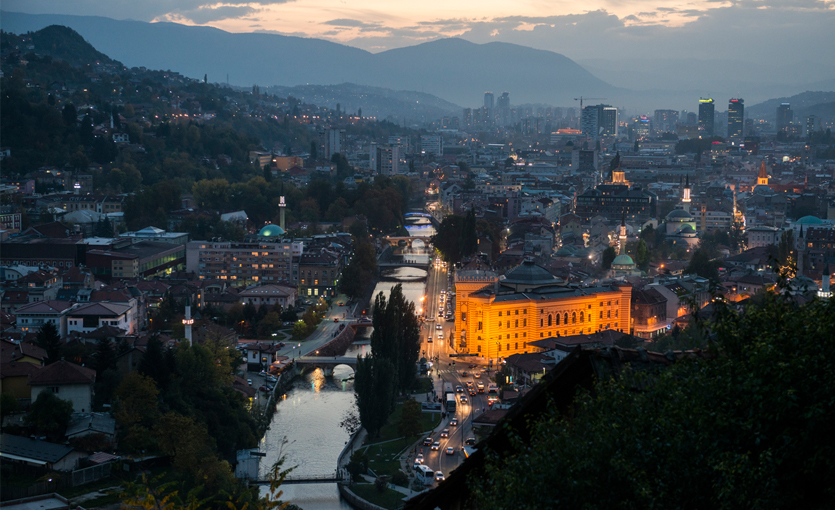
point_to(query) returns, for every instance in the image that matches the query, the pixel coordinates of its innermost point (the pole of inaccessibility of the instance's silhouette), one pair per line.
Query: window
(549, 320)
(558, 319)
(541, 322)
(500, 324)
(507, 347)
(565, 319)
(517, 312)
(479, 348)
(525, 311)
(479, 325)
(463, 316)
(524, 323)
(517, 323)
(508, 324)
(581, 317)
(574, 318)
(516, 335)
(499, 347)
(601, 314)
(608, 313)
(500, 314)
(516, 346)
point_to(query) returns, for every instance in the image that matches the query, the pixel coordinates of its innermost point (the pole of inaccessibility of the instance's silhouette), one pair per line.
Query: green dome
(271, 231)
(809, 220)
(623, 260)
(679, 215)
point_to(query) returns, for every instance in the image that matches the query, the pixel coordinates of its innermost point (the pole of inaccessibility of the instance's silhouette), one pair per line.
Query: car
(464, 399)
(449, 450)
(438, 327)
(335, 319)
(443, 291)
(453, 422)
(472, 392)
(439, 476)
(429, 340)
(465, 374)
(427, 441)
(271, 378)
(469, 384)
(340, 304)
(471, 365)
(249, 382)
(445, 433)
(470, 441)
(459, 389)
(419, 458)
(436, 446)
(264, 388)
(477, 375)
(440, 314)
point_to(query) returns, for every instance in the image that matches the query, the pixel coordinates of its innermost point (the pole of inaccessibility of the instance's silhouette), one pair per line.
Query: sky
(588, 29)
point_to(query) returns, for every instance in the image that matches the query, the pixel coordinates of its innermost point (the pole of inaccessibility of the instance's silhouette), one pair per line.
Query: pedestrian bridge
(326, 363)
(338, 476)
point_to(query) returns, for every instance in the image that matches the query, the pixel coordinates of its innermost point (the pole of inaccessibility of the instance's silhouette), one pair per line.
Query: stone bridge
(326, 364)
(395, 240)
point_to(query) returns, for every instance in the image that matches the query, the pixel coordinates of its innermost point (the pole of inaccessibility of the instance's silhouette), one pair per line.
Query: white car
(419, 458)
(439, 476)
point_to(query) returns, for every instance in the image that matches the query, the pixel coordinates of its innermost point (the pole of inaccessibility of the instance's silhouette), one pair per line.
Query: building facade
(268, 261)
(499, 316)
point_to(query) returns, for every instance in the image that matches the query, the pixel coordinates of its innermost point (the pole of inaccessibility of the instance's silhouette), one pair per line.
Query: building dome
(271, 231)
(529, 273)
(623, 260)
(687, 229)
(809, 220)
(679, 215)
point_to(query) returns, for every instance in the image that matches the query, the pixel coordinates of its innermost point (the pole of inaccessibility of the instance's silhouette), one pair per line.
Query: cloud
(207, 14)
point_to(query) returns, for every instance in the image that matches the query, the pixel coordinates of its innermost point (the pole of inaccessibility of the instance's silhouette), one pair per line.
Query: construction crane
(588, 98)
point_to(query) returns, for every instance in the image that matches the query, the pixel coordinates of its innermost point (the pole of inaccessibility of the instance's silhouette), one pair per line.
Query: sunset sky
(748, 29)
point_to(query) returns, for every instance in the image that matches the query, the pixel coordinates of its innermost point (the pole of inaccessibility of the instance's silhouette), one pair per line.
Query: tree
(69, 114)
(703, 265)
(642, 255)
(374, 383)
(49, 415)
(447, 238)
(9, 405)
(396, 335)
(609, 255)
(49, 340)
(410, 420)
(469, 238)
(314, 150)
(136, 411)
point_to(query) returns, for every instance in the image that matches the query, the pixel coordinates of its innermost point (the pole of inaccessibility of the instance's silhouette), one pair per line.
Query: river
(309, 414)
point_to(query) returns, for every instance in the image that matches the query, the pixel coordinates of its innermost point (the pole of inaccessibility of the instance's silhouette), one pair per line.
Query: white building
(384, 159)
(67, 381)
(91, 316)
(432, 144)
(756, 237)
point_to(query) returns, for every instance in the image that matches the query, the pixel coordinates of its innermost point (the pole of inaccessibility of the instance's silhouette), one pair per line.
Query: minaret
(801, 248)
(824, 293)
(188, 321)
(281, 207)
(622, 235)
(685, 199)
(762, 178)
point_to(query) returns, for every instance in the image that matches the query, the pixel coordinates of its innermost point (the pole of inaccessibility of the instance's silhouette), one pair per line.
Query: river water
(308, 415)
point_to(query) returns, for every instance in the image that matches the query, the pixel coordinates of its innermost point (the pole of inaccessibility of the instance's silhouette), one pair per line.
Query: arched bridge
(327, 364)
(409, 240)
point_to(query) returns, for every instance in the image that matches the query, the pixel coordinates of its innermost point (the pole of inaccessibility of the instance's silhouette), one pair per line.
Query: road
(451, 370)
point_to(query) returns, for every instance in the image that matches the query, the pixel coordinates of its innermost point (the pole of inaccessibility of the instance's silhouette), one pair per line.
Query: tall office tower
(812, 123)
(642, 127)
(736, 120)
(589, 122)
(608, 122)
(785, 116)
(706, 116)
(337, 142)
(503, 109)
(384, 159)
(431, 144)
(665, 121)
(692, 119)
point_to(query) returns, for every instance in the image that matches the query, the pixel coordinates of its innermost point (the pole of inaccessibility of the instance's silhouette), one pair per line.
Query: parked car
(249, 382)
(264, 388)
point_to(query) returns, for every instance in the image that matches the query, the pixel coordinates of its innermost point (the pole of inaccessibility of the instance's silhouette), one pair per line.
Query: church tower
(762, 178)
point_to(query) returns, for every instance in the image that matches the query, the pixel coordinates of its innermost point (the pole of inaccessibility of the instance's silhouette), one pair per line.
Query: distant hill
(453, 69)
(807, 103)
(374, 101)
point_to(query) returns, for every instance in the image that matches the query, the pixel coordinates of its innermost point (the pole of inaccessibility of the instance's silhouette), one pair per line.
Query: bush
(400, 478)
(381, 483)
(417, 485)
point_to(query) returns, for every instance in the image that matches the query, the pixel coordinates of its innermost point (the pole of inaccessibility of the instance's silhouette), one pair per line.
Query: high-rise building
(665, 121)
(812, 122)
(599, 121)
(404, 142)
(785, 116)
(331, 141)
(467, 118)
(706, 117)
(642, 127)
(384, 159)
(488, 100)
(431, 144)
(736, 120)
(503, 109)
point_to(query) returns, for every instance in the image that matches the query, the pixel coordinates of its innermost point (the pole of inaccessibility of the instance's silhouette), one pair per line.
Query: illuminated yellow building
(499, 316)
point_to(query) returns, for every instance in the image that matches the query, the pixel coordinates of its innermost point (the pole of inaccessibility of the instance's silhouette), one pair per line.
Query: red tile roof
(63, 372)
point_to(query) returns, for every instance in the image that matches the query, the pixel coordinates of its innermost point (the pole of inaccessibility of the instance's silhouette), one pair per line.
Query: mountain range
(419, 83)
(455, 70)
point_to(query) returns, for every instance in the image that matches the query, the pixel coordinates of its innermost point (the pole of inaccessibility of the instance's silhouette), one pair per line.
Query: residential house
(67, 381)
(34, 452)
(31, 317)
(270, 295)
(14, 377)
(91, 316)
